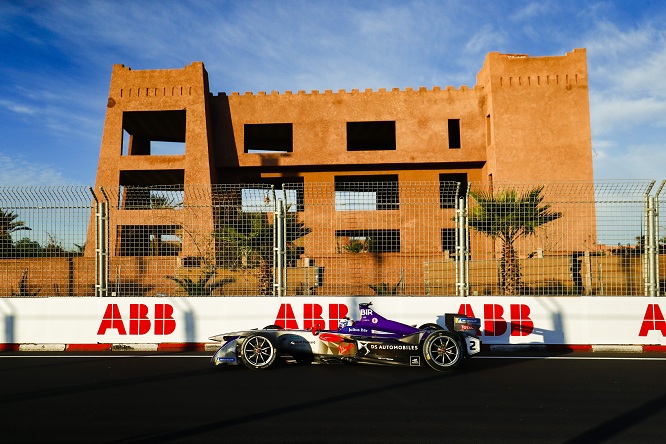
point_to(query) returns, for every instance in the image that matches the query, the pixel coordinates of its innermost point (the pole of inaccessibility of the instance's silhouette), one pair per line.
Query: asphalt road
(180, 398)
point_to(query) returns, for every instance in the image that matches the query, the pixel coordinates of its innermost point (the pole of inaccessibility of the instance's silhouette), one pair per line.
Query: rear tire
(258, 352)
(442, 351)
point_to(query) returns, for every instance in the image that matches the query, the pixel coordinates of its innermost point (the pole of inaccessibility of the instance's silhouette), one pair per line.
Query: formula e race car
(372, 339)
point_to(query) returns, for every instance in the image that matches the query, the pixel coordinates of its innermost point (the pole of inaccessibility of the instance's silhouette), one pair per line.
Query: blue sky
(56, 59)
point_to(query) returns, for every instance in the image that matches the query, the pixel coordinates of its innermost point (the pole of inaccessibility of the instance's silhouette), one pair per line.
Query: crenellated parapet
(367, 91)
(190, 81)
(521, 70)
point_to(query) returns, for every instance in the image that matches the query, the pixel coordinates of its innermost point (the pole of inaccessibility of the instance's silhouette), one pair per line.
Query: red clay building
(526, 119)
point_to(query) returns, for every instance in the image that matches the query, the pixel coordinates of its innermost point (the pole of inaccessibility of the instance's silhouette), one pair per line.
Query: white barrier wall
(505, 320)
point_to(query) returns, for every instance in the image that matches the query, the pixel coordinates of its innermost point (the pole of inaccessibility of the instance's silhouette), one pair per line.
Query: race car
(372, 339)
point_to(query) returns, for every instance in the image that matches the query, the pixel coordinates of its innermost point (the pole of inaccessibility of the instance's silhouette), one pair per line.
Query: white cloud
(613, 114)
(532, 10)
(17, 107)
(17, 171)
(640, 161)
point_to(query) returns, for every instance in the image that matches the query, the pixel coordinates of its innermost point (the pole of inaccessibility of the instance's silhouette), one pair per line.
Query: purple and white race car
(373, 339)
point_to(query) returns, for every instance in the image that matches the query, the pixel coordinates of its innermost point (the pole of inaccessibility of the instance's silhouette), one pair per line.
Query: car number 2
(473, 345)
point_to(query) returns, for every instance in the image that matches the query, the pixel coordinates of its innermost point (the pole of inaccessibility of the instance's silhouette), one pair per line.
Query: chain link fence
(341, 238)
(43, 242)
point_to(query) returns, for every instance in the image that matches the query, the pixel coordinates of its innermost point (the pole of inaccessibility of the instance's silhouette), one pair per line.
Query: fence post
(279, 248)
(101, 247)
(462, 287)
(648, 244)
(650, 248)
(654, 262)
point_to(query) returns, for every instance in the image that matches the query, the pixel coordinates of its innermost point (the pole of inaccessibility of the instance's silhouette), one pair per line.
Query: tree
(249, 241)
(26, 247)
(8, 225)
(201, 287)
(507, 216)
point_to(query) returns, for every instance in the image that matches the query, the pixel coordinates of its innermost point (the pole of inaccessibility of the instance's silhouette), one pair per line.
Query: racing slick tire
(258, 352)
(431, 326)
(442, 351)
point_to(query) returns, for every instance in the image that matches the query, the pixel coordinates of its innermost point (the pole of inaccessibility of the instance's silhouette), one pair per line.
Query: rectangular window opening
(258, 200)
(141, 198)
(371, 136)
(157, 133)
(368, 241)
(149, 240)
(268, 138)
(366, 193)
(452, 186)
(454, 133)
(449, 241)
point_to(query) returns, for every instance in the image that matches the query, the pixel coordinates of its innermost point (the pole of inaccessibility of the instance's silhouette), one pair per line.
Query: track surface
(180, 398)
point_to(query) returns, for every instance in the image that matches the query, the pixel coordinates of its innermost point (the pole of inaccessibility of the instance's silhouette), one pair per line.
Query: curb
(173, 347)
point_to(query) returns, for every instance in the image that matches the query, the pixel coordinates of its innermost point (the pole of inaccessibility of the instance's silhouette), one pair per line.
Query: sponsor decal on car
(393, 347)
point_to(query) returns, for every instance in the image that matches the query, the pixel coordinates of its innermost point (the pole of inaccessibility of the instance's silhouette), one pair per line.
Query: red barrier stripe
(88, 347)
(181, 346)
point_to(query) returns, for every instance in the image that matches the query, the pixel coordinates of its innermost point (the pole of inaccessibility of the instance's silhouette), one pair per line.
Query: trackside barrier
(505, 320)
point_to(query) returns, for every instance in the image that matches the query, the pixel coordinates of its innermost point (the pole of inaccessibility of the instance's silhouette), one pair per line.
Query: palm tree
(507, 216)
(8, 225)
(201, 287)
(250, 241)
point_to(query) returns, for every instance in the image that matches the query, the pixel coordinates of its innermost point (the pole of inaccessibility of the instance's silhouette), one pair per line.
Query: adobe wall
(539, 117)
(319, 127)
(157, 90)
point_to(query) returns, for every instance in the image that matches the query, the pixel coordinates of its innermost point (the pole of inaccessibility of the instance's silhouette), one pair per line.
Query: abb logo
(312, 316)
(653, 320)
(139, 323)
(494, 319)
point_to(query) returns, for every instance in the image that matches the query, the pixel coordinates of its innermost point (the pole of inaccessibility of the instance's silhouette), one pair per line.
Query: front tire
(258, 352)
(442, 351)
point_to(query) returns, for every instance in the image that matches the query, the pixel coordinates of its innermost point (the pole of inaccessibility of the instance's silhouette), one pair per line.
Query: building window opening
(366, 193)
(259, 200)
(150, 197)
(449, 241)
(454, 133)
(155, 133)
(149, 240)
(371, 136)
(452, 186)
(368, 241)
(268, 138)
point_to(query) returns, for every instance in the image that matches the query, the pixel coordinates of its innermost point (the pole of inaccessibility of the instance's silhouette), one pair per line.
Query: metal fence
(338, 238)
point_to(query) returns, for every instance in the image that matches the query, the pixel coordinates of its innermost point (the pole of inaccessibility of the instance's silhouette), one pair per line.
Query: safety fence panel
(43, 239)
(378, 238)
(557, 238)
